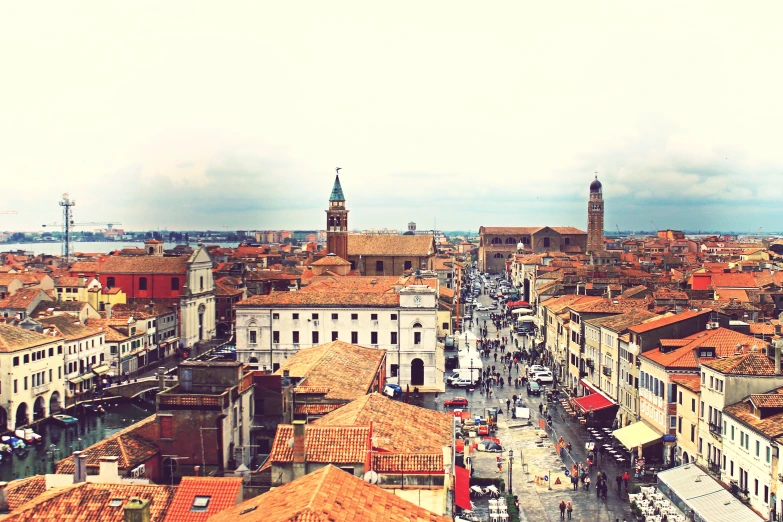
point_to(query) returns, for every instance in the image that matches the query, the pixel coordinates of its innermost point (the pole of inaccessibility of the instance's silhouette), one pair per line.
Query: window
(201, 282)
(768, 454)
(175, 283)
(701, 444)
(701, 411)
(679, 398)
(546, 242)
(567, 240)
(60, 348)
(393, 317)
(407, 265)
(16, 361)
(315, 337)
(51, 350)
(766, 494)
(354, 317)
(394, 369)
(110, 282)
(758, 448)
(26, 358)
(416, 337)
(334, 336)
(315, 317)
(275, 316)
(379, 266)
(25, 383)
(295, 317)
(16, 387)
(373, 337)
(679, 424)
(253, 334)
(354, 337)
(732, 433)
(276, 337)
(394, 338)
(142, 283)
(295, 337)
(693, 433)
(334, 317)
(373, 317)
(693, 405)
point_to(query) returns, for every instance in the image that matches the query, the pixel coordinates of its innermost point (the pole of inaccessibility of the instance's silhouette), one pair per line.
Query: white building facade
(197, 303)
(271, 328)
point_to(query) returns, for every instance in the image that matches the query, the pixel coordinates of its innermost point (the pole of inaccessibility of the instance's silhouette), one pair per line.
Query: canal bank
(60, 441)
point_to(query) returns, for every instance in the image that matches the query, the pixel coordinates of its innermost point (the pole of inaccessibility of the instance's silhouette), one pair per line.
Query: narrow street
(534, 456)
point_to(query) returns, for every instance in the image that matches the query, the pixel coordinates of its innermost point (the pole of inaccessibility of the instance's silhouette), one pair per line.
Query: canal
(60, 441)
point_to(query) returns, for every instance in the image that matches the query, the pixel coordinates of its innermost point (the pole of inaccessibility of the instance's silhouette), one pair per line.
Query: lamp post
(510, 472)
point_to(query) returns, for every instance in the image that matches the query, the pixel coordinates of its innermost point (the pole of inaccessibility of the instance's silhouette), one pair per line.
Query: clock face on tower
(417, 299)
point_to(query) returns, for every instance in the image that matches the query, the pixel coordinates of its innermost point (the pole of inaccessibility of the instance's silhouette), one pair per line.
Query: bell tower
(337, 222)
(595, 217)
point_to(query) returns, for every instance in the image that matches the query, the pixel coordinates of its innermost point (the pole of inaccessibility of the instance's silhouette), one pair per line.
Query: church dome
(595, 186)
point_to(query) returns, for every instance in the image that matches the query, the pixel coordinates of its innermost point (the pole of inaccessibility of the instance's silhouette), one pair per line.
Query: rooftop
(326, 495)
(725, 342)
(323, 444)
(390, 245)
(221, 493)
(68, 326)
(13, 338)
(646, 327)
(143, 265)
(753, 363)
(619, 323)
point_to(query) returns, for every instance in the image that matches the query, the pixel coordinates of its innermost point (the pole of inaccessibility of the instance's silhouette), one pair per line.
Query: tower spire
(337, 189)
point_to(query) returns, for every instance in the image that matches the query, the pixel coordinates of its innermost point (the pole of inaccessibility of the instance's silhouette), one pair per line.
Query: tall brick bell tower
(337, 222)
(595, 218)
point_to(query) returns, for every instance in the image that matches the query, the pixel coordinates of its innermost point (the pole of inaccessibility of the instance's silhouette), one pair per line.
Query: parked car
(482, 308)
(542, 377)
(538, 368)
(463, 383)
(533, 388)
(456, 401)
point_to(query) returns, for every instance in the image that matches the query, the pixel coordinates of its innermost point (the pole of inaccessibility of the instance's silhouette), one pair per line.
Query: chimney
(136, 510)
(82, 280)
(161, 378)
(3, 498)
(79, 467)
(300, 466)
(109, 469)
(197, 470)
(778, 343)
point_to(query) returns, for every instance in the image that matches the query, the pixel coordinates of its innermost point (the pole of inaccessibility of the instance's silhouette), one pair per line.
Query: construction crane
(757, 231)
(68, 223)
(619, 234)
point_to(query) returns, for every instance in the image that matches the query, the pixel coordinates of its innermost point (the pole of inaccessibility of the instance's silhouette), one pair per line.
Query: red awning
(517, 304)
(596, 401)
(590, 386)
(462, 487)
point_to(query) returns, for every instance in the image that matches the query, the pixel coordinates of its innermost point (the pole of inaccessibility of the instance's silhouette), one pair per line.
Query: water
(54, 248)
(91, 428)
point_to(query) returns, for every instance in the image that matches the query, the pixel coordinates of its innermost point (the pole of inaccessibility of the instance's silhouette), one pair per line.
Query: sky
(184, 115)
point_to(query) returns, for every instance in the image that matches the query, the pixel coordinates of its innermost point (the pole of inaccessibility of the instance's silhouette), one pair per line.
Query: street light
(510, 472)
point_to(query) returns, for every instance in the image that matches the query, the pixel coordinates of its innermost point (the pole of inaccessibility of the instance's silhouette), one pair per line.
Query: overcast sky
(175, 115)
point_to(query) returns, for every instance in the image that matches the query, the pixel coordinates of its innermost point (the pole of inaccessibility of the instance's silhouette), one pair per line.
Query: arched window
(546, 242)
(511, 241)
(497, 241)
(417, 335)
(498, 256)
(525, 240)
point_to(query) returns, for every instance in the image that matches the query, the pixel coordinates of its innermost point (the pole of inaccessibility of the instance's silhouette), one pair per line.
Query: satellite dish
(291, 443)
(371, 477)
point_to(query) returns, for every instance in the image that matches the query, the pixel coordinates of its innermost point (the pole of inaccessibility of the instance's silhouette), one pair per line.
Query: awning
(637, 434)
(522, 311)
(516, 304)
(77, 380)
(462, 487)
(100, 370)
(594, 402)
(590, 386)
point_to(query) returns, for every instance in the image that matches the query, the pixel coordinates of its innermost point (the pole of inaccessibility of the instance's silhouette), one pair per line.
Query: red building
(144, 277)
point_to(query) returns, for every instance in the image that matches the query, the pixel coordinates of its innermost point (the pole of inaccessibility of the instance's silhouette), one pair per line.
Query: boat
(28, 435)
(14, 442)
(5, 448)
(93, 408)
(65, 420)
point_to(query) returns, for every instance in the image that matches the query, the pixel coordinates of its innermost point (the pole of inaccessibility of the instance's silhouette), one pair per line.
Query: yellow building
(88, 290)
(688, 393)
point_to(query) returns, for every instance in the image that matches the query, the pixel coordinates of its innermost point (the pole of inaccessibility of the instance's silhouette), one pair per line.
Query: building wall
(392, 265)
(609, 362)
(159, 286)
(628, 393)
(687, 425)
(652, 405)
(755, 459)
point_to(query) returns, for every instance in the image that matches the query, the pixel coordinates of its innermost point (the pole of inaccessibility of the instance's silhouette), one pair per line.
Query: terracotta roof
(13, 338)
(348, 371)
(66, 325)
(621, 322)
(505, 231)
(222, 289)
(692, 382)
(397, 427)
(767, 400)
(24, 490)
(90, 502)
(733, 293)
(390, 245)
(762, 329)
(724, 341)
(223, 493)
(112, 335)
(745, 364)
(328, 494)
(334, 292)
(144, 265)
(407, 462)
(560, 303)
(666, 321)
(86, 267)
(64, 281)
(132, 449)
(323, 444)
(771, 426)
(734, 280)
(314, 409)
(21, 299)
(616, 306)
(331, 260)
(668, 294)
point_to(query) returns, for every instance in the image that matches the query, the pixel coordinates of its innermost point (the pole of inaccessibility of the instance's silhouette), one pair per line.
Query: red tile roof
(692, 382)
(22, 491)
(390, 245)
(13, 338)
(328, 495)
(734, 280)
(21, 299)
(724, 341)
(666, 321)
(223, 493)
(753, 363)
(144, 265)
(89, 502)
(323, 444)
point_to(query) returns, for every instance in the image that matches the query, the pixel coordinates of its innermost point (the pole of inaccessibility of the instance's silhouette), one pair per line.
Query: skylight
(200, 503)
(115, 502)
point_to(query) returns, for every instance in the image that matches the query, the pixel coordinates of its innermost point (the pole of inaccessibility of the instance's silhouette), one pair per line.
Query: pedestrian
(508, 404)
(500, 464)
(569, 509)
(587, 482)
(575, 481)
(626, 480)
(562, 509)
(619, 481)
(568, 447)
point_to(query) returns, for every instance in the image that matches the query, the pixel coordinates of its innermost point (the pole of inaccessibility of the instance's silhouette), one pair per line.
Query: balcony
(716, 429)
(43, 388)
(714, 468)
(607, 371)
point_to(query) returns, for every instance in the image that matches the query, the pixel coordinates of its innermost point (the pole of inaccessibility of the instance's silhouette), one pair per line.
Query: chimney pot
(299, 449)
(109, 468)
(79, 467)
(136, 510)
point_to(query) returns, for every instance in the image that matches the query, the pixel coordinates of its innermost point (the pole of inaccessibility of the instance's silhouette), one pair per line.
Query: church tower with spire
(595, 218)
(337, 222)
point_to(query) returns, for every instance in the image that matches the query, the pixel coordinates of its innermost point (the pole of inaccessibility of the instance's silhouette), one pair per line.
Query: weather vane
(337, 170)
